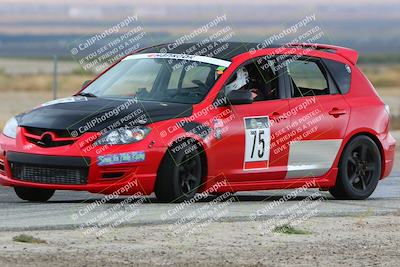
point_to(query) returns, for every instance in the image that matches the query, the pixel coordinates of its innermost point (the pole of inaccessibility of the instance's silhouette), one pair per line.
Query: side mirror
(238, 97)
(85, 83)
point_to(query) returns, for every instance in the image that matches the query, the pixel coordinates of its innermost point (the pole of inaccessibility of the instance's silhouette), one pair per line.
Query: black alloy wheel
(359, 170)
(179, 175)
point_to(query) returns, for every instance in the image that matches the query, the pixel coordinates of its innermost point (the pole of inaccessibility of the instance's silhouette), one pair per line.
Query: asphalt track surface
(70, 209)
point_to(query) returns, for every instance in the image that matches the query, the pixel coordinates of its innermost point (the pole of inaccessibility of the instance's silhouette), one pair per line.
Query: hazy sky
(366, 24)
(253, 2)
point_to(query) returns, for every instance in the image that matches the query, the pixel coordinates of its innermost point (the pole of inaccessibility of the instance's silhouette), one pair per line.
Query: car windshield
(159, 77)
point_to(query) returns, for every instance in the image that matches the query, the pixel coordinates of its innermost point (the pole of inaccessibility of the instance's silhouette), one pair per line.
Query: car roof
(229, 50)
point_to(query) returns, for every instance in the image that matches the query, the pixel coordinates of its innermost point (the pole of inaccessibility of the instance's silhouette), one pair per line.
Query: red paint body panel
(364, 113)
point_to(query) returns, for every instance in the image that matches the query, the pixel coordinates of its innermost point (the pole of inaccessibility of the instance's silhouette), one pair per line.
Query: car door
(254, 147)
(319, 118)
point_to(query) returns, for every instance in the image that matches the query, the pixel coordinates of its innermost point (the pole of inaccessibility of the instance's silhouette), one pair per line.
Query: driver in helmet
(241, 81)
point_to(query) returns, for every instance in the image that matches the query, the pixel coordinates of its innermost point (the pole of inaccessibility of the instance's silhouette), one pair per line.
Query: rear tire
(33, 194)
(359, 170)
(179, 176)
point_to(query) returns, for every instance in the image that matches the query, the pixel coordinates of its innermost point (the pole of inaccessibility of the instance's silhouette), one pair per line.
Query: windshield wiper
(87, 94)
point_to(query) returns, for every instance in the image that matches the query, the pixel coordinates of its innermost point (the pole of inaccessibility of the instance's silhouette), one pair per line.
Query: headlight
(10, 129)
(123, 136)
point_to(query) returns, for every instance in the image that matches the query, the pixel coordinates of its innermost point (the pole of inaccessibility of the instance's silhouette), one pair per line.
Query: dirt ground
(343, 241)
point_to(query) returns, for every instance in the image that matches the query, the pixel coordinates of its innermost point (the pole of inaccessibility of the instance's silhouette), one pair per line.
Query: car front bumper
(75, 167)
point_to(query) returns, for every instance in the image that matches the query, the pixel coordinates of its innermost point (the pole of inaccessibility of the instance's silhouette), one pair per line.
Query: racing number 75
(260, 144)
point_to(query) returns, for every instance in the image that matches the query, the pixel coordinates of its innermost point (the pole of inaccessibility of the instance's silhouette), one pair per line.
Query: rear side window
(307, 78)
(341, 73)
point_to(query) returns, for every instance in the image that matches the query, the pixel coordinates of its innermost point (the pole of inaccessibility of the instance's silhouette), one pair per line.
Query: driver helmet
(242, 78)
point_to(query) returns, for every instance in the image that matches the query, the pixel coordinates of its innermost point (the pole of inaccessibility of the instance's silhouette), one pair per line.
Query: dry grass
(24, 238)
(290, 230)
(22, 92)
(382, 75)
(41, 82)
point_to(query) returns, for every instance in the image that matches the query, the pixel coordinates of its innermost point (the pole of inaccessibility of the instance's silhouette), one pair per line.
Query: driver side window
(257, 76)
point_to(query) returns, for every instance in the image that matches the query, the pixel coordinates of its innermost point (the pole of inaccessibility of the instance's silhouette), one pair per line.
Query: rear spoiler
(347, 53)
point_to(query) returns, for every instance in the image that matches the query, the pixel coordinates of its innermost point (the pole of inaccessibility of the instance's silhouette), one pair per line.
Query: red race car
(177, 120)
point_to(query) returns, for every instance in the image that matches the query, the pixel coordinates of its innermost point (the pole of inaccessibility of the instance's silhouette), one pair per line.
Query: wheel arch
(374, 138)
(202, 154)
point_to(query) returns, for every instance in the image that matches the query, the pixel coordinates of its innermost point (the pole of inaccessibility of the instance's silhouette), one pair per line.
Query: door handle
(335, 112)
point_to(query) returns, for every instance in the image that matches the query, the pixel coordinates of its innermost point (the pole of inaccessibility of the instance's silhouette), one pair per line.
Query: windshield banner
(209, 60)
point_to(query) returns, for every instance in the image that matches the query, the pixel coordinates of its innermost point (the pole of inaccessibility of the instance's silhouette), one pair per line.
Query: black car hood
(89, 114)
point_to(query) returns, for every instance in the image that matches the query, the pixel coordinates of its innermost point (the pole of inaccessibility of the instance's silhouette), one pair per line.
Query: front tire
(33, 194)
(359, 170)
(179, 175)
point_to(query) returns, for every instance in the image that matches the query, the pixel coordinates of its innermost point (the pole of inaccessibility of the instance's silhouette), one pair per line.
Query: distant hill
(43, 27)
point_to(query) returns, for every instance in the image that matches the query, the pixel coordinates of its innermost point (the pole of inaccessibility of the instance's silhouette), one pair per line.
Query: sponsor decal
(129, 157)
(218, 127)
(203, 59)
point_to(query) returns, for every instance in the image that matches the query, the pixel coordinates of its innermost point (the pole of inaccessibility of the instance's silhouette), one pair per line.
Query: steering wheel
(202, 86)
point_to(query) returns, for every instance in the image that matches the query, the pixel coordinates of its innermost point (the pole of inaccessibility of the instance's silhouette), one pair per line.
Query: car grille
(49, 175)
(40, 131)
(49, 144)
(49, 138)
